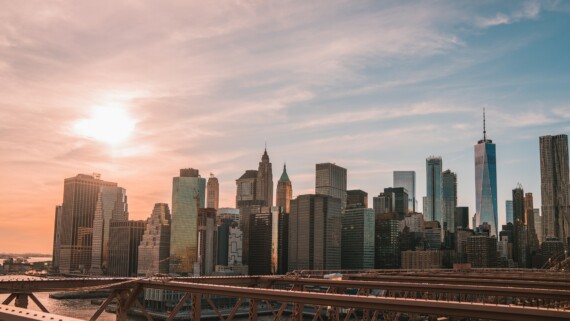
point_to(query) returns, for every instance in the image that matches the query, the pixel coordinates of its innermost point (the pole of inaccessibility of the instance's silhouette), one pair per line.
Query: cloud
(529, 10)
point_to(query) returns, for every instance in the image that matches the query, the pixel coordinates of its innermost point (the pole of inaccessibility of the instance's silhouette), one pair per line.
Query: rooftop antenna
(484, 126)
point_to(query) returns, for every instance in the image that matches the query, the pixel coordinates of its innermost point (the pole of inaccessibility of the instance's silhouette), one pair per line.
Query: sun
(108, 124)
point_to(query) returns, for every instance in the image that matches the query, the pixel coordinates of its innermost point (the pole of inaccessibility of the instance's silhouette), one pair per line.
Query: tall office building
(188, 195)
(213, 188)
(387, 240)
(264, 187)
(223, 241)
(538, 225)
(207, 237)
(461, 217)
(518, 205)
(486, 182)
(264, 242)
(246, 188)
(520, 241)
(554, 186)
(331, 180)
(358, 230)
(509, 211)
(400, 202)
(154, 249)
(407, 180)
(56, 238)
(111, 205)
(124, 240)
(284, 191)
(482, 251)
(80, 194)
(434, 204)
(315, 233)
(449, 197)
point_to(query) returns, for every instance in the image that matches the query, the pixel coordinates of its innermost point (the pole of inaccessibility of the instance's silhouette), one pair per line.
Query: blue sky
(374, 86)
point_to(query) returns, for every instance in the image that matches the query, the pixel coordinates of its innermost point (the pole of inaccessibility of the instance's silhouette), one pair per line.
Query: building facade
(124, 240)
(449, 200)
(284, 191)
(213, 189)
(358, 229)
(407, 180)
(433, 205)
(461, 217)
(315, 233)
(80, 194)
(154, 248)
(509, 211)
(111, 205)
(331, 180)
(264, 182)
(554, 186)
(486, 183)
(188, 195)
(431, 259)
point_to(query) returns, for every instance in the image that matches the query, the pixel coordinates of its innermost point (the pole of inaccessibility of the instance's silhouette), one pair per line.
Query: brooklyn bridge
(488, 294)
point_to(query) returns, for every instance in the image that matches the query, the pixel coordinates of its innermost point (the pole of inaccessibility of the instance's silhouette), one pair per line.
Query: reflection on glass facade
(407, 180)
(486, 184)
(509, 210)
(264, 240)
(433, 206)
(331, 180)
(358, 228)
(188, 194)
(449, 197)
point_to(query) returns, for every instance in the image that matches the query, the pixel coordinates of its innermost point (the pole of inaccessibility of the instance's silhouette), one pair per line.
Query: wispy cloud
(529, 10)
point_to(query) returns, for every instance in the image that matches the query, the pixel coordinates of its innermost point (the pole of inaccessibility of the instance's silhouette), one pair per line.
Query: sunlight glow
(108, 124)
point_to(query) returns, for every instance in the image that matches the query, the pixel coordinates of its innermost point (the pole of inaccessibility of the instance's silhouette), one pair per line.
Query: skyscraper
(207, 233)
(56, 239)
(124, 240)
(111, 205)
(154, 248)
(433, 188)
(509, 210)
(188, 194)
(400, 202)
(461, 217)
(213, 188)
(315, 233)
(407, 180)
(358, 230)
(518, 205)
(246, 188)
(284, 191)
(554, 185)
(331, 180)
(449, 196)
(80, 194)
(486, 182)
(264, 188)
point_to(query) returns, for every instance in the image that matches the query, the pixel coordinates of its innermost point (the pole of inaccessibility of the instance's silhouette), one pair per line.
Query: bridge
(495, 294)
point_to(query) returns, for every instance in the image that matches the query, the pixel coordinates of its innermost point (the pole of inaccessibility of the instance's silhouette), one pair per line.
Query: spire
(284, 176)
(484, 126)
(265, 155)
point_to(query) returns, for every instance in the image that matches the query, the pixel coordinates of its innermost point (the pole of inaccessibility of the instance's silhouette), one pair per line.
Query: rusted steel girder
(476, 310)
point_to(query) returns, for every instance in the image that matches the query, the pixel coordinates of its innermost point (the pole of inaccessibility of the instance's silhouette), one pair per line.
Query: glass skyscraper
(188, 194)
(486, 183)
(449, 192)
(433, 204)
(407, 180)
(331, 180)
(509, 210)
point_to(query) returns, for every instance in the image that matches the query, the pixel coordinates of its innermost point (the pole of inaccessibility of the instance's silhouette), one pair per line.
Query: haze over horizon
(135, 91)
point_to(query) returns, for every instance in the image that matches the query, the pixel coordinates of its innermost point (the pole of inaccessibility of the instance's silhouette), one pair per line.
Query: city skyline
(374, 88)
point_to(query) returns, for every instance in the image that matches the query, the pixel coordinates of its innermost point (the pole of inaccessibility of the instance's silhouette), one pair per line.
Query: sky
(136, 90)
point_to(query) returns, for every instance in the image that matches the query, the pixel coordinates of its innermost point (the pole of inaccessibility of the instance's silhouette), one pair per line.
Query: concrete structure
(213, 190)
(124, 240)
(486, 183)
(449, 200)
(154, 248)
(433, 205)
(554, 186)
(264, 187)
(358, 230)
(414, 222)
(315, 231)
(431, 259)
(330, 180)
(80, 194)
(407, 180)
(227, 213)
(111, 205)
(188, 194)
(284, 191)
